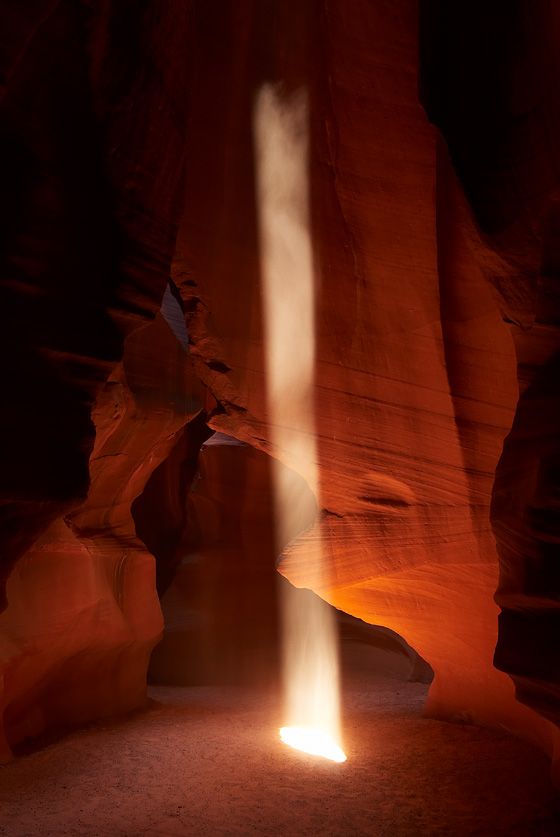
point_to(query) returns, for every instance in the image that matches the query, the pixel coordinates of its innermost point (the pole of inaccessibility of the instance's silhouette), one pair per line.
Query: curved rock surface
(416, 374)
(498, 107)
(83, 614)
(221, 608)
(434, 171)
(92, 120)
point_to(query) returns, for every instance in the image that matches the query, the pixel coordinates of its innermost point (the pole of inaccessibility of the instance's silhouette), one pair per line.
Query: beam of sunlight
(310, 651)
(312, 741)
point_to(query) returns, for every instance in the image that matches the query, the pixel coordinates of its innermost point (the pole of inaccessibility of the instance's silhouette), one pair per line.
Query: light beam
(312, 741)
(310, 653)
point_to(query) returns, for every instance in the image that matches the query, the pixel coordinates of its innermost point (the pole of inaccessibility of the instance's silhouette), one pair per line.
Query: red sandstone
(434, 160)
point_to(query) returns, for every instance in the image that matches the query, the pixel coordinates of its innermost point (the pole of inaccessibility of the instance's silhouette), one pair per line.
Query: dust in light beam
(310, 653)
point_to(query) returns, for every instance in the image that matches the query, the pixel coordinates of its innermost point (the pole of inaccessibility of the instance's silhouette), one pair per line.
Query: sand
(208, 761)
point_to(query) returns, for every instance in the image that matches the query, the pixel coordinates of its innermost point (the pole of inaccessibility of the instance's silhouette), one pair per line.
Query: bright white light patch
(310, 660)
(313, 741)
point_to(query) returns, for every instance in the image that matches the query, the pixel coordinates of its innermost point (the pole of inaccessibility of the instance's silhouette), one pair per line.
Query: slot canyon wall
(93, 124)
(434, 158)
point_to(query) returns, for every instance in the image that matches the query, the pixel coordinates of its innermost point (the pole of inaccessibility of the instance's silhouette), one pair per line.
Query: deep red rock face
(435, 253)
(92, 191)
(92, 122)
(416, 374)
(498, 107)
(83, 613)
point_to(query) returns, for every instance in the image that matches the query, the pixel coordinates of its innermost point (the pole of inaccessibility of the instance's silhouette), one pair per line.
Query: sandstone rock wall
(416, 378)
(92, 126)
(433, 180)
(492, 76)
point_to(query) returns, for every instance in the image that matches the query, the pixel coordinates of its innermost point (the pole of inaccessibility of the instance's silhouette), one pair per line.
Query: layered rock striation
(420, 312)
(433, 212)
(92, 125)
(498, 108)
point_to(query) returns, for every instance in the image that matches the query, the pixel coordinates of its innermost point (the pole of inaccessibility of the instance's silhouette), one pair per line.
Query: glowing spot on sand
(310, 652)
(313, 741)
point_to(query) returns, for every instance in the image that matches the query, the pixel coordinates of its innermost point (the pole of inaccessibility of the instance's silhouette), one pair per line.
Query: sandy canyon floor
(208, 761)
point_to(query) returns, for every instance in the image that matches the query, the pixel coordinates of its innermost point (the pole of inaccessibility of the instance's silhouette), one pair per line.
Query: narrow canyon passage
(279, 283)
(208, 761)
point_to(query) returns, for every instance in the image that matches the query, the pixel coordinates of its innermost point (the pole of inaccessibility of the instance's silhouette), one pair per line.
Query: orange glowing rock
(415, 374)
(436, 329)
(83, 613)
(94, 204)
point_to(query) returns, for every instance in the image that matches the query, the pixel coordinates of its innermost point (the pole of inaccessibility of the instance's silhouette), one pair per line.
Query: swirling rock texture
(92, 155)
(83, 614)
(434, 164)
(221, 602)
(499, 109)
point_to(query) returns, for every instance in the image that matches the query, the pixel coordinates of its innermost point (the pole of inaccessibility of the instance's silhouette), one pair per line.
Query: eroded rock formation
(83, 614)
(416, 382)
(92, 154)
(221, 603)
(433, 176)
(499, 108)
